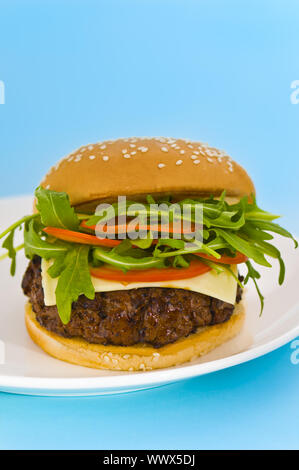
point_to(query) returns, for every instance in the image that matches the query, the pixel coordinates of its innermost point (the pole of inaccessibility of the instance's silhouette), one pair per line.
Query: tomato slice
(238, 259)
(151, 275)
(78, 237)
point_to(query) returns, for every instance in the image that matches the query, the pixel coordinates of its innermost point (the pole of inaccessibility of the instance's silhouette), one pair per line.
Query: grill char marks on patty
(153, 315)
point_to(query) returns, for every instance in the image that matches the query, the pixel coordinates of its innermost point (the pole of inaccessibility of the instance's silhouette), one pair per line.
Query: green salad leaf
(11, 251)
(35, 245)
(125, 262)
(254, 275)
(73, 281)
(55, 209)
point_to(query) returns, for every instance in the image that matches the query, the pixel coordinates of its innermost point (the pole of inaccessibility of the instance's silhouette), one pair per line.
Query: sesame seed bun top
(142, 165)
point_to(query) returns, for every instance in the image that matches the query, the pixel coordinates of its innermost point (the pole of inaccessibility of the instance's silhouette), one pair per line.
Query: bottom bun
(134, 358)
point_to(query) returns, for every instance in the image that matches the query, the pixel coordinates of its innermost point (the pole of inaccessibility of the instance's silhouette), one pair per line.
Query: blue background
(82, 71)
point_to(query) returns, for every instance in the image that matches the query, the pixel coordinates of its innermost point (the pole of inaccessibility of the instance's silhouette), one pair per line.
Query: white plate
(28, 370)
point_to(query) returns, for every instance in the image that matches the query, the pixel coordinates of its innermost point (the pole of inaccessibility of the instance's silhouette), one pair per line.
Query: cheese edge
(222, 286)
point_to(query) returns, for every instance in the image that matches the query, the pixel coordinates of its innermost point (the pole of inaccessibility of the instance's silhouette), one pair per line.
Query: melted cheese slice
(222, 286)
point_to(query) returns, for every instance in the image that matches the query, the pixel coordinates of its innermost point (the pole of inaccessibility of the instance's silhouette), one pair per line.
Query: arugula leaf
(254, 233)
(58, 266)
(123, 247)
(126, 262)
(35, 245)
(8, 244)
(253, 274)
(170, 243)
(19, 223)
(225, 221)
(180, 262)
(73, 281)
(272, 251)
(144, 243)
(272, 227)
(150, 199)
(55, 209)
(243, 246)
(183, 248)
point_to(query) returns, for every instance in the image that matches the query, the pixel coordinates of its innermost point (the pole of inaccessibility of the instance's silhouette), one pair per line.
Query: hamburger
(113, 284)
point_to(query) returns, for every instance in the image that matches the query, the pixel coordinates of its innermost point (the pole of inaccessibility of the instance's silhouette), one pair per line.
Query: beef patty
(152, 315)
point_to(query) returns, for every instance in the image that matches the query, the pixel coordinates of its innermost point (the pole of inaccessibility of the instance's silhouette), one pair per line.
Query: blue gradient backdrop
(81, 71)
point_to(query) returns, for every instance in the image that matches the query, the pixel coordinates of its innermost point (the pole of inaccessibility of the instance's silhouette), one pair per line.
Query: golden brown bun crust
(135, 166)
(97, 356)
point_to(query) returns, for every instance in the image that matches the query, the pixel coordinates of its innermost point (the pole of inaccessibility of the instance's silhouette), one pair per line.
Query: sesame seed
(48, 186)
(164, 149)
(127, 155)
(156, 354)
(78, 158)
(194, 157)
(103, 147)
(182, 151)
(83, 149)
(126, 356)
(70, 159)
(190, 146)
(92, 157)
(132, 145)
(196, 162)
(161, 165)
(105, 158)
(179, 162)
(210, 159)
(124, 151)
(106, 359)
(90, 147)
(196, 152)
(133, 153)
